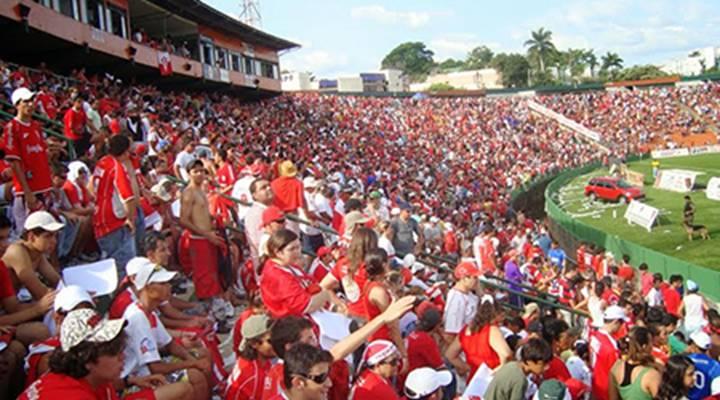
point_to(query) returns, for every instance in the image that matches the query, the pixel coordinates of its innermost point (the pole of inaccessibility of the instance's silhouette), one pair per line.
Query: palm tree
(540, 42)
(591, 60)
(611, 61)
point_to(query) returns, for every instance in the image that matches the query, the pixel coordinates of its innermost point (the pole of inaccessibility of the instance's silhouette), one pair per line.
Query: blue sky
(347, 37)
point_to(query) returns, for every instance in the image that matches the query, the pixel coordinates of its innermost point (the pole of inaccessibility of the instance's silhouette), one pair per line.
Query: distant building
(299, 82)
(387, 80)
(694, 63)
(478, 79)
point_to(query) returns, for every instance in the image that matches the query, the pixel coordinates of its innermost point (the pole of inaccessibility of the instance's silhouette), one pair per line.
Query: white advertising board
(713, 189)
(641, 214)
(676, 180)
(667, 153)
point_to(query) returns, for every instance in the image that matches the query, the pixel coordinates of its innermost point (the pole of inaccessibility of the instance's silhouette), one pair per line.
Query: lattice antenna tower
(251, 13)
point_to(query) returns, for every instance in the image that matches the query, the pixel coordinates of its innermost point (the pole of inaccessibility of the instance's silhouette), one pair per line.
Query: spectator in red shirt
(286, 289)
(604, 351)
(377, 298)
(481, 341)
(114, 227)
(288, 192)
(27, 151)
(74, 123)
(247, 380)
(379, 365)
(306, 374)
(646, 279)
(625, 271)
(88, 362)
(671, 295)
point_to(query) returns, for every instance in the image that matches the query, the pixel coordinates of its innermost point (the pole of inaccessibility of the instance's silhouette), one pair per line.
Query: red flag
(164, 63)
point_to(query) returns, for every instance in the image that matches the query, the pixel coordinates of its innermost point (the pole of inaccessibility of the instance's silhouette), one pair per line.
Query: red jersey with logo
(35, 353)
(113, 191)
(48, 103)
(371, 386)
(52, 386)
(603, 354)
(286, 290)
(25, 142)
(247, 380)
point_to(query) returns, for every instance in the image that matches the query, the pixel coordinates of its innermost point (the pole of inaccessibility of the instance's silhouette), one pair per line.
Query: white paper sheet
(99, 278)
(479, 383)
(175, 206)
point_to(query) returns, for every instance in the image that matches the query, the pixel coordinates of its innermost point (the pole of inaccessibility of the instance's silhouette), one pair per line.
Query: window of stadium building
(235, 62)
(95, 11)
(68, 8)
(249, 66)
(117, 21)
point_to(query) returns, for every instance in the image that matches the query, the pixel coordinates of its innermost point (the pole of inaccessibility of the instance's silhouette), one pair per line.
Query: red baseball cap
(271, 214)
(465, 269)
(323, 251)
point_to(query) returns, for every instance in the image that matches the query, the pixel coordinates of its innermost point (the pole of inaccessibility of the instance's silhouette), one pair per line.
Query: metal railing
(542, 298)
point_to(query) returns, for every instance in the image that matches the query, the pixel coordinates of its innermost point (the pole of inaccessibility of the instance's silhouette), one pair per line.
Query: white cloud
(377, 13)
(457, 45)
(313, 60)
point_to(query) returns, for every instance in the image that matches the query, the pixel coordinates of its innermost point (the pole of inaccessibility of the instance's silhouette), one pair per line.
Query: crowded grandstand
(169, 243)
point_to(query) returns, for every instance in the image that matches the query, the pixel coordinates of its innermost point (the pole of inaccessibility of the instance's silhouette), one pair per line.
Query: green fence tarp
(574, 230)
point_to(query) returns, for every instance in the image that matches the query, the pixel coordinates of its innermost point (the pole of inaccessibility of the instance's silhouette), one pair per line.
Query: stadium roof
(197, 11)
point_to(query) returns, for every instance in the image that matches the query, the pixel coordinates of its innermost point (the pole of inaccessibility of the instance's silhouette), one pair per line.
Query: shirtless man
(28, 257)
(199, 242)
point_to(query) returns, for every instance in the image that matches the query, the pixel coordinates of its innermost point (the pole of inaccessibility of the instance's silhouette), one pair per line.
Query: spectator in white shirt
(654, 297)
(183, 159)
(262, 196)
(461, 301)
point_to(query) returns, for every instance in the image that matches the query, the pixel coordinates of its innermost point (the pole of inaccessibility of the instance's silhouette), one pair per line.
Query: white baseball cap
(21, 94)
(135, 263)
(152, 273)
(43, 220)
(311, 182)
(409, 260)
(701, 340)
(615, 312)
(715, 386)
(69, 297)
(425, 381)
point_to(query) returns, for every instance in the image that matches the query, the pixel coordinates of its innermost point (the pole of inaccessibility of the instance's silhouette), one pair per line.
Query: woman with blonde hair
(349, 271)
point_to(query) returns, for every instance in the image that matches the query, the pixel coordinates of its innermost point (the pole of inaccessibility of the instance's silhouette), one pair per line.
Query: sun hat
(87, 325)
(287, 168)
(253, 328)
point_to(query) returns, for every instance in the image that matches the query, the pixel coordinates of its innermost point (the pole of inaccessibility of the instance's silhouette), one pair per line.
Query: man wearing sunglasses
(306, 375)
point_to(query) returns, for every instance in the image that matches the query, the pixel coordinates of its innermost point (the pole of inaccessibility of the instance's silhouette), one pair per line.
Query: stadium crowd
(324, 274)
(640, 118)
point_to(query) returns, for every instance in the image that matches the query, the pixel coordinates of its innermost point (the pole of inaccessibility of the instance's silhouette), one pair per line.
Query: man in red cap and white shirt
(604, 350)
(26, 150)
(461, 301)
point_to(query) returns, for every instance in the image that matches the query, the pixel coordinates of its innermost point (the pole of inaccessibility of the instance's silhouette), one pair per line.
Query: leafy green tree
(611, 62)
(451, 64)
(514, 69)
(640, 72)
(591, 61)
(478, 58)
(413, 58)
(541, 44)
(576, 63)
(441, 87)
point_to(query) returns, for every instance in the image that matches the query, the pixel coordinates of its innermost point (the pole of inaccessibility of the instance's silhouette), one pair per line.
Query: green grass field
(667, 236)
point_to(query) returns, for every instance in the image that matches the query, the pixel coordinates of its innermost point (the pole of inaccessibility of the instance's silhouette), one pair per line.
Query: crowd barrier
(570, 232)
(432, 260)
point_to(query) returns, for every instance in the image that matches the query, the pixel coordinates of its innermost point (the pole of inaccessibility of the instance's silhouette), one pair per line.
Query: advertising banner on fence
(641, 214)
(713, 189)
(669, 153)
(676, 180)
